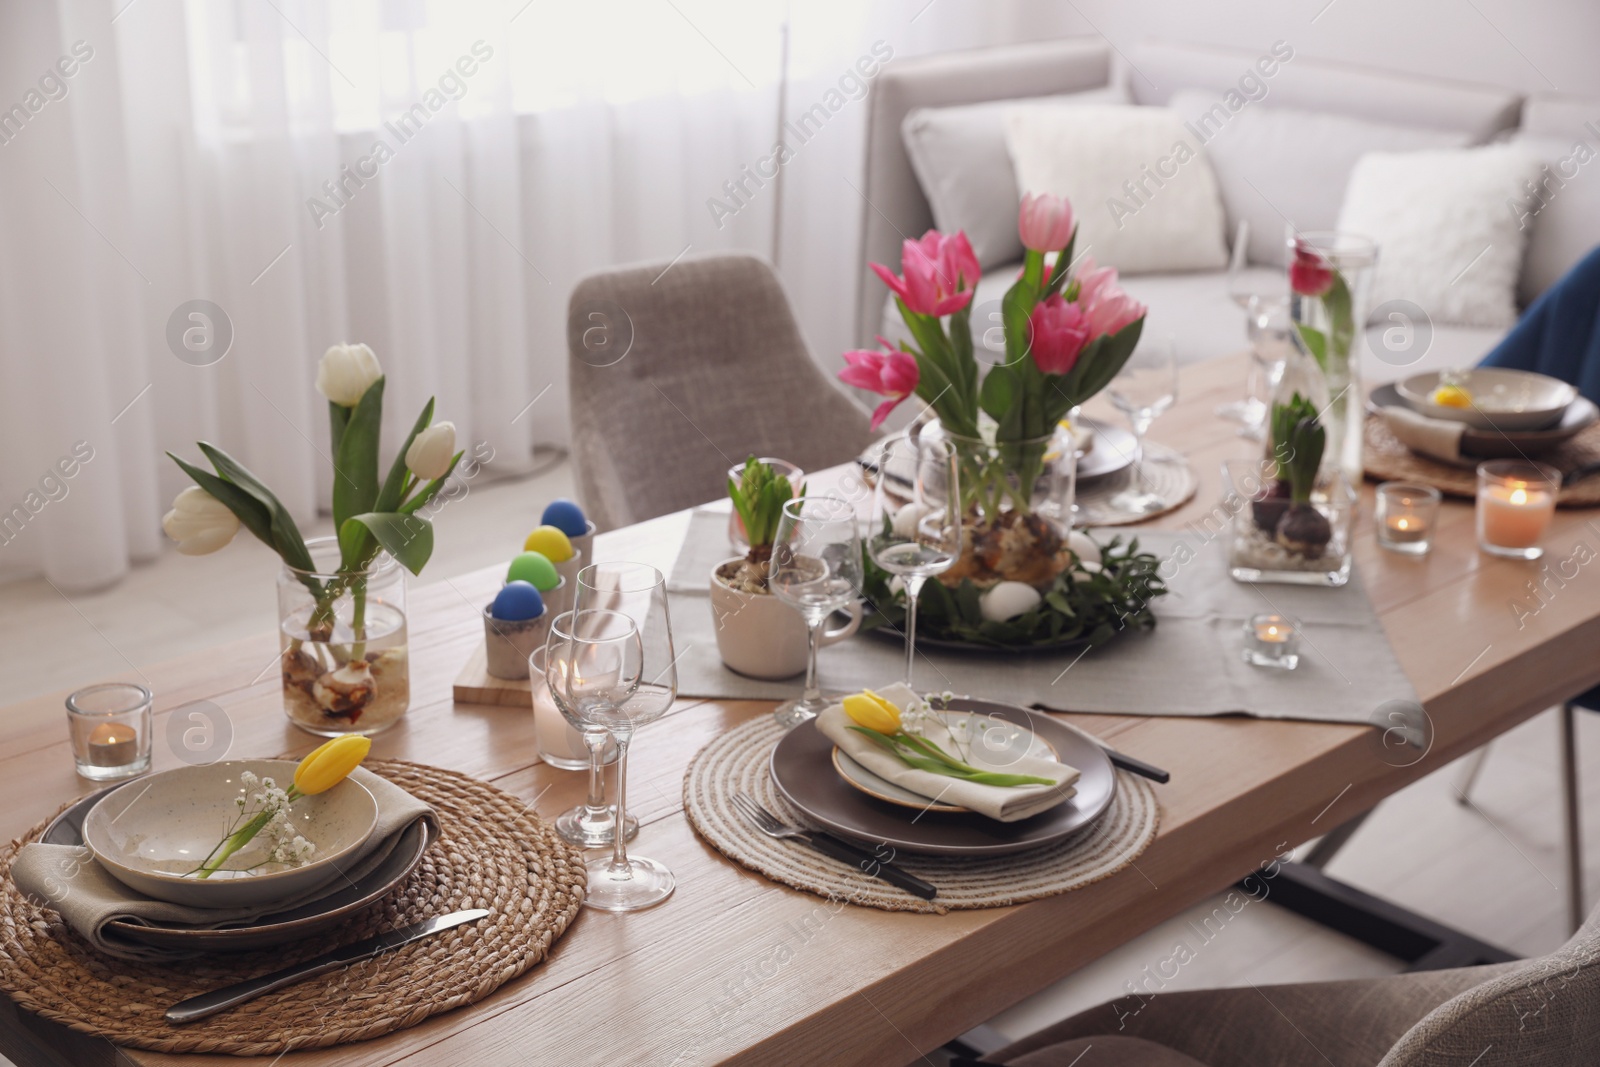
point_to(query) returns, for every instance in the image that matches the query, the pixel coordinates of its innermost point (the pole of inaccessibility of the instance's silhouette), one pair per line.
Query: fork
(828, 845)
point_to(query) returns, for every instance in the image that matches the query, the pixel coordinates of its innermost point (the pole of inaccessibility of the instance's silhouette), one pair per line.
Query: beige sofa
(1195, 308)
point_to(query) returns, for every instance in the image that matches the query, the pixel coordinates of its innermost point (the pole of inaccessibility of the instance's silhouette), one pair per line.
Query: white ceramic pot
(760, 636)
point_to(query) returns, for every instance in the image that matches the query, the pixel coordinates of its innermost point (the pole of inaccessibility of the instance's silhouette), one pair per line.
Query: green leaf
(1316, 343)
(1058, 277)
(1016, 307)
(408, 538)
(355, 468)
(395, 484)
(999, 392)
(251, 512)
(285, 538)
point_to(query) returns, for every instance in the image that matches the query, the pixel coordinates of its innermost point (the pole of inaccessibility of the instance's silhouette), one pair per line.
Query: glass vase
(342, 637)
(1330, 274)
(1273, 539)
(1016, 501)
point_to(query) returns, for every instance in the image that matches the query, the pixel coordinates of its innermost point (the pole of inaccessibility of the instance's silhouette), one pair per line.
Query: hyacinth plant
(1067, 334)
(758, 496)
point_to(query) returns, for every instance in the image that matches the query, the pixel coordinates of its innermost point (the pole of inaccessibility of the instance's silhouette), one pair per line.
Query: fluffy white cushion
(1446, 241)
(1563, 222)
(1278, 165)
(1144, 194)
(959, 156)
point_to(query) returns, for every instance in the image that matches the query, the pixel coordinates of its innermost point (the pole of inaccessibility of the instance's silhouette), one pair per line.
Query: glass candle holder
(560, 744)
(110, 728)
(1272, 641)
(1516, 501)
(1406, 516)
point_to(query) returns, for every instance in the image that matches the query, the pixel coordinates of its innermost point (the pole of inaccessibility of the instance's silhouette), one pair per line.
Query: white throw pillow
(1143, 191)
(1277, 165)
(1446, 241)
(1562, 221)
(960, 159)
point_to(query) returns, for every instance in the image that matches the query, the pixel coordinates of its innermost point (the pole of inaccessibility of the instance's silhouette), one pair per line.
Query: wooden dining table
(736, 969)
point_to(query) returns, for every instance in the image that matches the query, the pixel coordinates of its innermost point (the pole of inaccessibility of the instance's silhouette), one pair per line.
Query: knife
(867, 863)
(1120, 759)
(205, 1004)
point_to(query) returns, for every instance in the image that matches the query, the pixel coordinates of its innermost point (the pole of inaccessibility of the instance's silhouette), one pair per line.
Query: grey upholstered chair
(1533, 1013)
(680, 372)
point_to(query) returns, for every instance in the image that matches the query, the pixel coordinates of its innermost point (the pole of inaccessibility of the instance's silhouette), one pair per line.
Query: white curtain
(427, 176)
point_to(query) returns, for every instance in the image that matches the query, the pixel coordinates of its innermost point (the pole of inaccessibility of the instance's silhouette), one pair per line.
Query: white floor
(1493, 869)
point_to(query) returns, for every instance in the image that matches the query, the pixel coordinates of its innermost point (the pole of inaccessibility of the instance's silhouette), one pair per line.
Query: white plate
(1501, 399)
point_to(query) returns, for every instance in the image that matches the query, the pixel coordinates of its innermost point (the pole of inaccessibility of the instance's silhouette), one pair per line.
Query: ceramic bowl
(148, 833)
(1501, 399)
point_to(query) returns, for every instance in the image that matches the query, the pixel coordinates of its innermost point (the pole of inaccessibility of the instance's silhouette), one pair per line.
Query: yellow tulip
(872, 711)
(330, 762)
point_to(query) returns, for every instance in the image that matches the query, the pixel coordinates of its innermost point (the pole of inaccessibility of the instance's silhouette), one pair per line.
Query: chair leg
(1574, 831)
(1469, 775)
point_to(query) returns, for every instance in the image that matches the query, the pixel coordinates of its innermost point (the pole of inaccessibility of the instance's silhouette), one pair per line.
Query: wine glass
(1270, 346)
(1245, 290)
(1145, 387)
(590, 824)
(636, 593)
(1240, 287)
(815, 569)
(916, 518)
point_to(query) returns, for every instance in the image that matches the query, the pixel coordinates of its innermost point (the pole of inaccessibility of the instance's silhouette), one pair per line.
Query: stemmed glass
(815, 569)
(1244, 291)
(1270, 346)
(590, 824)
(612, 600)
(916, 518)
(1145, 387)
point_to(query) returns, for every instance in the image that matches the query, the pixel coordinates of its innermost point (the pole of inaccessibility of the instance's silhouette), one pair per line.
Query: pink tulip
(940, 274)
(890, 373)
(1107, 307)
(1060, 330)
(1045, 222)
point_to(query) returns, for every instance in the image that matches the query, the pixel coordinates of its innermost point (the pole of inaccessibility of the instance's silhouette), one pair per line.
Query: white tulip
(429, 455)
(346, 372)
(199, 522)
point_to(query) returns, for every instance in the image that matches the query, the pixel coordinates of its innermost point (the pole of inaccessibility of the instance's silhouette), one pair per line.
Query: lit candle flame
(1519, 496)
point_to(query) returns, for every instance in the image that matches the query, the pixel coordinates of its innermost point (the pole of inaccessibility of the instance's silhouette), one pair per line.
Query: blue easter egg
(565, 516)
(517, 602)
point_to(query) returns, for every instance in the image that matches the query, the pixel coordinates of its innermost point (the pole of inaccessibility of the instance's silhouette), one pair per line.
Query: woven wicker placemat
(1165, 472)
(737, 762)
(1387, 460)
(493, 852)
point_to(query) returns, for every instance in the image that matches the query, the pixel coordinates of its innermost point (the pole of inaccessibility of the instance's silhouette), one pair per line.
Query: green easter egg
(536, 569)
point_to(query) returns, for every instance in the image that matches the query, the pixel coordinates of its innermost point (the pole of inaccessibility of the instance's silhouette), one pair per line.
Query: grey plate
(944, 644)
(1114, 449)
(1508, 444)
(269, 930)
(801, 768)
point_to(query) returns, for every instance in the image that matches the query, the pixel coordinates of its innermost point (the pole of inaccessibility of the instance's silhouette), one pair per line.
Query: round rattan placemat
(1165, 472)
(1387, 460)
(737, 762)
(493, 852)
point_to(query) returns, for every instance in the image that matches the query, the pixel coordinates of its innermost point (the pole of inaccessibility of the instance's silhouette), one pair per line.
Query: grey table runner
(1190, 664)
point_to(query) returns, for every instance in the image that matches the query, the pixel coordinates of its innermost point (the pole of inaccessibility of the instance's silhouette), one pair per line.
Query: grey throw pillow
(959, 156)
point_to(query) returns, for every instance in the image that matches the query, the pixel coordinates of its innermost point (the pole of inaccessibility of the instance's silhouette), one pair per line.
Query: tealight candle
(1271, 641)
(1405, 517)
(560, 743)
(1516, 501)
(110, 729)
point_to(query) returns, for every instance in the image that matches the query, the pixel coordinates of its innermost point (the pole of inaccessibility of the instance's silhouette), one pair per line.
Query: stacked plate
(1508, 413)
(277, 928)
(840, 795)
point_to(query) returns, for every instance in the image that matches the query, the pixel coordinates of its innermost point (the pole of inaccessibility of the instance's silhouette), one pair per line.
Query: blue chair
(1559, 334)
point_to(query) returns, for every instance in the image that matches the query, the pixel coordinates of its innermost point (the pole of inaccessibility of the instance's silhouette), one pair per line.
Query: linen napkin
(1438, 438)
(67, 878)
(1002, 803)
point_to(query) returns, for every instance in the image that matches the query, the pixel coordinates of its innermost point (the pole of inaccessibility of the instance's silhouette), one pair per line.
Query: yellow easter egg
(550, 543)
